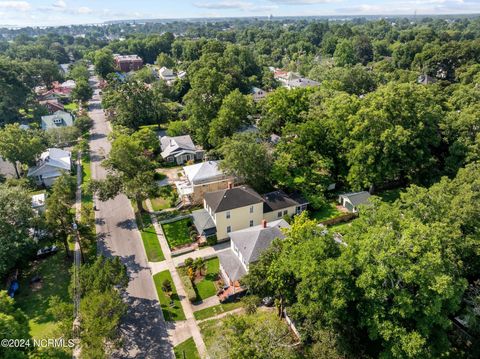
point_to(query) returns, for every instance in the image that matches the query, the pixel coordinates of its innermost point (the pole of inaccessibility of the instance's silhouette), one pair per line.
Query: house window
(251, 209)
(229, 229)
(279, 215)
(228, 214)
(251, 223)
(285, 212)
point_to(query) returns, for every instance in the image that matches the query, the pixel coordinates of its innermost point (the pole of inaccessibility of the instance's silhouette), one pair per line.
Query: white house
(52, 163)
(351, 201)
(258, 94)
(180, 149)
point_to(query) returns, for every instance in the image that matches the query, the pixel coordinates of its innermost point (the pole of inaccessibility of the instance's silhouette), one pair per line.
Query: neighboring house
(38, 202)
(52, 105)
(58, 120)
(246, 246)
(237, 208)
(169, 76)
(201, 178)
(127, 63)
(351, 201)
(292, 80)
(52, 164)
(180, 149)
(278, 204)
(258, 94)
(59, 91)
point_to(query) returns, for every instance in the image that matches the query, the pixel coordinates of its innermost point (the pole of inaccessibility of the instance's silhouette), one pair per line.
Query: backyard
(327, 212)
(150, 240)
(186, 350)
(171, 307)
(178, 233)
(34, 300)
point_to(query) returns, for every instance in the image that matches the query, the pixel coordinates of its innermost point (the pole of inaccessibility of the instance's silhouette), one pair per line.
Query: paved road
(144, 329)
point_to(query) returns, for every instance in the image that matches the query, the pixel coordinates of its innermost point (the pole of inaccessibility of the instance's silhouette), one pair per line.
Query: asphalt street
(144, 329)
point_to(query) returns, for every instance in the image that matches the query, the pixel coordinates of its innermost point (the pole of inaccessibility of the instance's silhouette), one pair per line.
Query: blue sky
(63, 12)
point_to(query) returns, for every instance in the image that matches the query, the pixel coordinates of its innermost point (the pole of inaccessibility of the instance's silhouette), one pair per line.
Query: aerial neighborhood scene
(255, 179)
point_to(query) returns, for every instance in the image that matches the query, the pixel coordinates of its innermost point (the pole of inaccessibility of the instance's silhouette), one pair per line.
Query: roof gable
(232, 198)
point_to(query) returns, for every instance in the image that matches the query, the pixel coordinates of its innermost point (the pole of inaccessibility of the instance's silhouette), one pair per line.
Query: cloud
(60, 4)
(15, 5)
(84, 10)
(303, 2)
(234, 5)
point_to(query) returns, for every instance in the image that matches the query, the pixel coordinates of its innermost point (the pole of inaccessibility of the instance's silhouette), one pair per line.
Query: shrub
(187, 283)
(211, 241)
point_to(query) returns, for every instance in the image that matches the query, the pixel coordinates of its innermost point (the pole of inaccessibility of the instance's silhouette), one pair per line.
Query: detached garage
(351, 201)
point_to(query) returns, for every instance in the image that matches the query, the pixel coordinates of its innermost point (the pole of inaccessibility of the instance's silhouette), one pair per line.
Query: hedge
(187, 283)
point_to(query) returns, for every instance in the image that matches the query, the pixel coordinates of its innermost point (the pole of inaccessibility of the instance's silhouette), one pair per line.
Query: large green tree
(13, 325)
(104, 63)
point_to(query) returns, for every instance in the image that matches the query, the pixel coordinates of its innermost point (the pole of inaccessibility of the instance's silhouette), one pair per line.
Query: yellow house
(237, 208)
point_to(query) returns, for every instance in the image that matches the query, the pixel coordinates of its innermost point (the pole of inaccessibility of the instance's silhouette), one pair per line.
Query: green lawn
(160, 203)
(187, 350)
(174, 312)
(206, 287)
(216, 310)
(327, 212)
(177, 233)
(150, 241)
(55, 275)
(341, 228)
(72, 106)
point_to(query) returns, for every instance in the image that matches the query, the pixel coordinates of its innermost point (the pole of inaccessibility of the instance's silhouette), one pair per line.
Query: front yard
(150, 240)
(204, 284)
(166, 198)
(34, 299)
(186, 350)
(216, 310)
(171, 307)
(178, 233)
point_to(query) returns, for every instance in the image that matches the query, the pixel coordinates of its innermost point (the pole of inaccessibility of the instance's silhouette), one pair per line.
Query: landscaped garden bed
(169, 300)
(203, 276)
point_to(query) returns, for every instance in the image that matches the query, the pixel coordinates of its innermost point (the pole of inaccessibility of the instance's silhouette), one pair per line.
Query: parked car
(267, 301)
(45, 252)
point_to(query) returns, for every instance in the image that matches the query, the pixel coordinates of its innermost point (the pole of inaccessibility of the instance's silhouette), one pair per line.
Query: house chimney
(264, 223)
(230, 185)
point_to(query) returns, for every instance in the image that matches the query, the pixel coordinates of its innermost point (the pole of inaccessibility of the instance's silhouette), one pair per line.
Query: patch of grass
(164, 199)
(170, 312)
(159, 203)
(328, 212)
(55, 275)
(177, 233)
(187, 350)
(72, 106)
(150, 241)
(216, 310)
(206, 287)
(341, 228)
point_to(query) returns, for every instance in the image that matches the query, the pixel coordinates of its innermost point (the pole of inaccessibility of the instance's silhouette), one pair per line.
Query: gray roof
(231, 265)
(277, 200)
(202, 220)
(251, 242)
(203, 172)
(170, 145)
(227, 199)
(57, 120)
(357, 198)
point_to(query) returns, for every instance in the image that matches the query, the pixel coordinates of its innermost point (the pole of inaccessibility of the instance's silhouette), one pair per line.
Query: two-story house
(237, 208)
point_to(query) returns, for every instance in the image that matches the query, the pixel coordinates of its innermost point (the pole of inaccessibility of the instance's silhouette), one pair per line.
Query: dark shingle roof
(228, 199)
(274, 201)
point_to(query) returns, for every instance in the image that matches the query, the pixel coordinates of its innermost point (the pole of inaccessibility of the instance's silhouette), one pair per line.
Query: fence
(174, 219)
(344, 218)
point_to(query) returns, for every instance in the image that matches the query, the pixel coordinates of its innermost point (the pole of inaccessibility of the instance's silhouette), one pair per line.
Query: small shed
(352, 200)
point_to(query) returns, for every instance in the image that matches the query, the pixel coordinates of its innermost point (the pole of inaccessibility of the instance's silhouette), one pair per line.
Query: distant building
(426, 80)
(38, 202)
(292, 80)
(52, 105)
(127, 63)
(258, 94)
(57, 120)
(52, 163)
(180, 149)
(169, 76)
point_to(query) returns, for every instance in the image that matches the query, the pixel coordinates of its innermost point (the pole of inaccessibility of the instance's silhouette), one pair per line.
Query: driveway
(144, 329)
